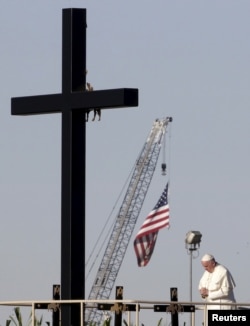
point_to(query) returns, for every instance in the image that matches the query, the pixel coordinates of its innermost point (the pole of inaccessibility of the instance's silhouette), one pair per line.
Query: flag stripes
(157, 219)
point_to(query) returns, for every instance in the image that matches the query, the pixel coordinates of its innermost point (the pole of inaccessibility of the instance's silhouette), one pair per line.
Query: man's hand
(204, 293)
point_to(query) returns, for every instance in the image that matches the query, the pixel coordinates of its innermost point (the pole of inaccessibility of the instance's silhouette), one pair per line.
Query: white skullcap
(207, 257)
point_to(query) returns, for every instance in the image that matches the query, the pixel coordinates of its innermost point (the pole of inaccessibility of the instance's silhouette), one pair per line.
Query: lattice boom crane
(126, 219)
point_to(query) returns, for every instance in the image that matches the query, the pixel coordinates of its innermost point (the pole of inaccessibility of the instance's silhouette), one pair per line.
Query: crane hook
(163, 169)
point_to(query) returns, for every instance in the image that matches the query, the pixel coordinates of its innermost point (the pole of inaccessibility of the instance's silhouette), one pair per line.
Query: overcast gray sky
(189, 60)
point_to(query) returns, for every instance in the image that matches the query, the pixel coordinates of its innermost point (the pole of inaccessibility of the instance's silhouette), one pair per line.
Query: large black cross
(73, 103)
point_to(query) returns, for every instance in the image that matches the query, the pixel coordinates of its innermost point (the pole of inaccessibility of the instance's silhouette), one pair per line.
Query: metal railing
(119, 306)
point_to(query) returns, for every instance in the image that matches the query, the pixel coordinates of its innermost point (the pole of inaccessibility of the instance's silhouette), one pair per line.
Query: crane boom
(126, 218)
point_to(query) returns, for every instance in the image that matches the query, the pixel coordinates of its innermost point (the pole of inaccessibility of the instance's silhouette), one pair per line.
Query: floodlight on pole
(192, 243)
(193, 239)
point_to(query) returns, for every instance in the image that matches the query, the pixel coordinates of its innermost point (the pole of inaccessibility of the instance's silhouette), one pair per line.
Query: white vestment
(220, 285)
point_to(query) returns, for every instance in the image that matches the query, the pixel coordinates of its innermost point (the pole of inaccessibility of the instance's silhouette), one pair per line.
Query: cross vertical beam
(56, 312)
(174, 297)
(118, 296)
(73, 167)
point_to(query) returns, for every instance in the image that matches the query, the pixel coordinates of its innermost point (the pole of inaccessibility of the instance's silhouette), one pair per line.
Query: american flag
(146, 238)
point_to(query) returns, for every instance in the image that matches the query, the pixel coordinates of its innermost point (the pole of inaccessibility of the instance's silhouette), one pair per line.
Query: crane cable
(104, 228)
(169, 162)
(169, 151)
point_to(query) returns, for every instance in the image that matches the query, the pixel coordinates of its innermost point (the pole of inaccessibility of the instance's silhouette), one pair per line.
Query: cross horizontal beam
(173, 308)
(116, 307)
(56, 103)
(53, 306)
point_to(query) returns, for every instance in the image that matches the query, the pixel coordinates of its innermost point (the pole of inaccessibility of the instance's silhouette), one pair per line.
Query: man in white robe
(217, 284)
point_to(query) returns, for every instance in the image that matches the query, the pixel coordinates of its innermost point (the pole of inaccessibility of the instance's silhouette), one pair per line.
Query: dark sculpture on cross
(73, 104)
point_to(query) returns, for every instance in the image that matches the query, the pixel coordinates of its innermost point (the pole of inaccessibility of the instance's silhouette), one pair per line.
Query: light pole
(192, 243)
